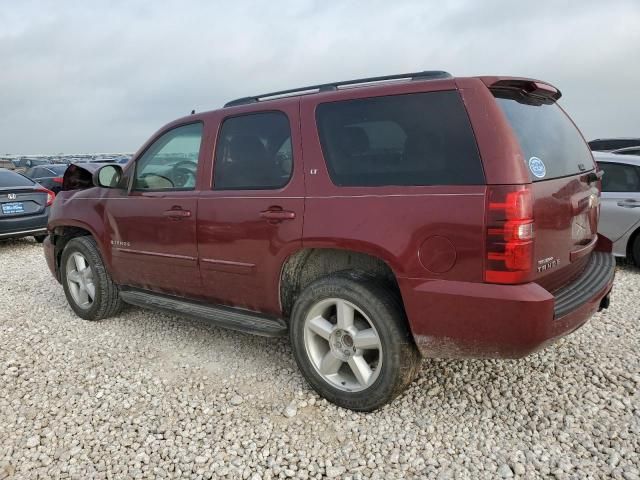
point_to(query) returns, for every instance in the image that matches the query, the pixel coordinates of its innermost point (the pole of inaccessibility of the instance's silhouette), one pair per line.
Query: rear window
(12, 179)
(552, 145)
(414, 139)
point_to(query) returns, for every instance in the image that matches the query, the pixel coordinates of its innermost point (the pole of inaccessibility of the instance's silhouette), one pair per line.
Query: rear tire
(635, 250)
(360, 363)
(39, 238)
(88, 286)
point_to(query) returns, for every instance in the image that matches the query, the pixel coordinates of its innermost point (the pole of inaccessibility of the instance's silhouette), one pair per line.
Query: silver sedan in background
(620, 203)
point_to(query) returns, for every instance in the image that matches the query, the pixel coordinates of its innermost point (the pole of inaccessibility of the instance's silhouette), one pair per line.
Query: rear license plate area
(12, 208)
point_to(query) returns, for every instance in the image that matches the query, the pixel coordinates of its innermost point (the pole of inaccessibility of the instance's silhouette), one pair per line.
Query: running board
(226, 317)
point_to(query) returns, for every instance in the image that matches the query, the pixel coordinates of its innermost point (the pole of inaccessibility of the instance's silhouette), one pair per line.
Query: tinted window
(551, 144)
(416, 139)
(12, 179)
(171, 162)
(620, 178)
(254, 152)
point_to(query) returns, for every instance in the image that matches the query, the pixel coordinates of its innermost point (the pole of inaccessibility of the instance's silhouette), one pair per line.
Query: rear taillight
(509, 243)
(57, 179)
(50, 195)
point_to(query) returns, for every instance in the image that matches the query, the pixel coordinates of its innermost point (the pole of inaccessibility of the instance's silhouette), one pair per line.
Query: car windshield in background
(12, 179)
(57, 169)
(551, 144)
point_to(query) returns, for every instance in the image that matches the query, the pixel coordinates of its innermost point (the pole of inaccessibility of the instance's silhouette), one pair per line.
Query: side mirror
(108, 176)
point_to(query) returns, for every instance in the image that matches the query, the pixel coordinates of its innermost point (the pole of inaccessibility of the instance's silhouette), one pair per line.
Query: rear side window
(414, 139)
(620, 178)
(254, 152)
(551, 144)
(12, 179)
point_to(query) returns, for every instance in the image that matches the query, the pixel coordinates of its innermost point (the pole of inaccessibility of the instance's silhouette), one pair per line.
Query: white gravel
(152, 395)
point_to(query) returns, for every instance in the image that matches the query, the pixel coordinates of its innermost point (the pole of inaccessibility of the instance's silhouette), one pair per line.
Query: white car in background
(620, 203)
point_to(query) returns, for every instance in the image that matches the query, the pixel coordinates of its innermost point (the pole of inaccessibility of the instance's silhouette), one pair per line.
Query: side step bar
(226, 317)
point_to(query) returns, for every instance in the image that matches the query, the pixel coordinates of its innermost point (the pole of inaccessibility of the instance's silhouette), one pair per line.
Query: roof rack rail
(326, 87)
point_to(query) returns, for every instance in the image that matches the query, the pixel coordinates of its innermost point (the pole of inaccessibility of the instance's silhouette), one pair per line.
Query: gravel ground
(152, 395)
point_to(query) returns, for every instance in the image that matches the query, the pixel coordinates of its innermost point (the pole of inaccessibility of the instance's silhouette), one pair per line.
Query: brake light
(510, 234)
(50, 195)
(57, 179)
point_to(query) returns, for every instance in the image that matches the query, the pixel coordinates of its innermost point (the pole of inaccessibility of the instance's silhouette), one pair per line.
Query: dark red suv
(373, 221)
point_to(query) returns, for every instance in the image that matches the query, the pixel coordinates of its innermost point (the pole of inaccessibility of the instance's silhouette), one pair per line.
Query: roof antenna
(193, 112)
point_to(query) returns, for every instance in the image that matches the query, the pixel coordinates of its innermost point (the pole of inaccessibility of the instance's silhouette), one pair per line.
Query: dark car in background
(24, 206)
(49, 176)
(608, 144)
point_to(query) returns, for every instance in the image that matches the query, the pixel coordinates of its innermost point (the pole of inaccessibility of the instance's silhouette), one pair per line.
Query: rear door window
(552, 145)
(415, 139)
(620, 177)
(254, 152)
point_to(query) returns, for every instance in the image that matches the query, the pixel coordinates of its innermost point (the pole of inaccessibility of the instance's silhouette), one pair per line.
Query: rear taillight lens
(50, 195)
(510, 231)
(57, 179)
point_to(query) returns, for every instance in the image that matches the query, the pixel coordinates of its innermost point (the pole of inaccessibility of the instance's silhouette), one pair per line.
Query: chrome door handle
(177, 213)
(277, 214)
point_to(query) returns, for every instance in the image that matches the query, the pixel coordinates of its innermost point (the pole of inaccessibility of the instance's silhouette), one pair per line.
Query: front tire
(88, 286)
(350, 340)
(39, 238)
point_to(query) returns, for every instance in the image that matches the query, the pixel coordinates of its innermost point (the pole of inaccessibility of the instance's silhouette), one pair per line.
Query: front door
(152, 225)
(251, 220)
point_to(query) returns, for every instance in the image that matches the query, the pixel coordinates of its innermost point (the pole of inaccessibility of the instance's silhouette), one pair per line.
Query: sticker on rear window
(537, 167)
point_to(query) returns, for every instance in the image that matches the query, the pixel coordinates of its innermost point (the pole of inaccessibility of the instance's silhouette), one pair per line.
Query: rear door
(620, 199)
(251, 219)
(564, 184)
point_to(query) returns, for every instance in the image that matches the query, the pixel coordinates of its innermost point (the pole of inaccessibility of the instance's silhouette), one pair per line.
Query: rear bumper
(460, 319)
(16, 227)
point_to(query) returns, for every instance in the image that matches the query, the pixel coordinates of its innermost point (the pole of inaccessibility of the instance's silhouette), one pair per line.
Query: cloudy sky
(103, 76)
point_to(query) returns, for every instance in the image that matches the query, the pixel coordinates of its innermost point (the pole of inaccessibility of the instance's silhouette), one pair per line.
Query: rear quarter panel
(392, 223)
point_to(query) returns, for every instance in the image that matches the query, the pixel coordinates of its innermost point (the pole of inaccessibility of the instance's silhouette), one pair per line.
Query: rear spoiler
(528, 86)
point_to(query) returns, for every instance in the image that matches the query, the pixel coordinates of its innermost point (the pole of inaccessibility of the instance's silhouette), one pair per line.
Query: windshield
(552, 145)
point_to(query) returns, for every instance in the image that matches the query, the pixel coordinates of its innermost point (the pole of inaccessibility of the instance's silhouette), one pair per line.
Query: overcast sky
(103, 76)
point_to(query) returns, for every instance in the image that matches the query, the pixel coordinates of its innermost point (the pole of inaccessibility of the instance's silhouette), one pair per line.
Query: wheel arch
(306, 265)
(63, 233)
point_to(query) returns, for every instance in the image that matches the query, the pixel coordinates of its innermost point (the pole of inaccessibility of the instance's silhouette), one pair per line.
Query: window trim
(215, 150)
(132, 179)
